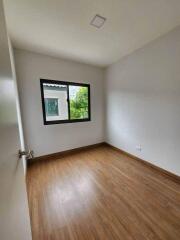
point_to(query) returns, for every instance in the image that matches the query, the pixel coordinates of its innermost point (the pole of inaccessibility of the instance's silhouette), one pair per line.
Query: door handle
(29, 154)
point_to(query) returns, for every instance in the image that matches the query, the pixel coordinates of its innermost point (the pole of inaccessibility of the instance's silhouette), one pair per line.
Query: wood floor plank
(101, 194)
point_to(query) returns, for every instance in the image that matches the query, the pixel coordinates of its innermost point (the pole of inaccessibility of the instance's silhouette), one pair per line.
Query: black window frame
(68, 100)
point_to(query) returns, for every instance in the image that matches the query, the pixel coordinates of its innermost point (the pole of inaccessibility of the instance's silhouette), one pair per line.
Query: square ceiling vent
(98, 21)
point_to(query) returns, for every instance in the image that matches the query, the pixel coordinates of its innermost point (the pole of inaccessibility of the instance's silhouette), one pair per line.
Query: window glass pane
(78, 96)
(55, 99)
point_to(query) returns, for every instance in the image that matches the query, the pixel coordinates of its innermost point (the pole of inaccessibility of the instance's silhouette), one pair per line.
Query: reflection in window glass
(78, 96)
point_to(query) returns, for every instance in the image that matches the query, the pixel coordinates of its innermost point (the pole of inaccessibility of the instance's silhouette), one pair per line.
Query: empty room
(89, 120)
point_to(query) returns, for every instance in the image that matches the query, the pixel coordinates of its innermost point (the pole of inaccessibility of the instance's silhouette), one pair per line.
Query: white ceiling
(62, 28)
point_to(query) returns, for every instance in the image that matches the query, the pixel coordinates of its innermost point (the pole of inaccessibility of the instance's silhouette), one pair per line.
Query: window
(51, 106)
(64, 102)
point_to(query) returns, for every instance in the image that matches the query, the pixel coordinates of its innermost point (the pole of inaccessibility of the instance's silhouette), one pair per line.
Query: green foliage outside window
(79, 104)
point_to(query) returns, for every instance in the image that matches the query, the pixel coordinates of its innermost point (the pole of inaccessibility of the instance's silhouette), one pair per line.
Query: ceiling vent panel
(98, 21)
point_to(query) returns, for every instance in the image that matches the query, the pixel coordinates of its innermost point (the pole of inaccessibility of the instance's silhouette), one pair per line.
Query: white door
(14, 213)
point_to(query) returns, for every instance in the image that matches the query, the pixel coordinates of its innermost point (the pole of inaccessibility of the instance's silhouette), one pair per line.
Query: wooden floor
(101, 194)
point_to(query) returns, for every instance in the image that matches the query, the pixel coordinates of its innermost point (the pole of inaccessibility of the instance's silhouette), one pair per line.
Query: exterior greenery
(79, 104)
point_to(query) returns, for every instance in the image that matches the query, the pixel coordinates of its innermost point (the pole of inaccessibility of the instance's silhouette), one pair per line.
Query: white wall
(143, 102)
(48, 139)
